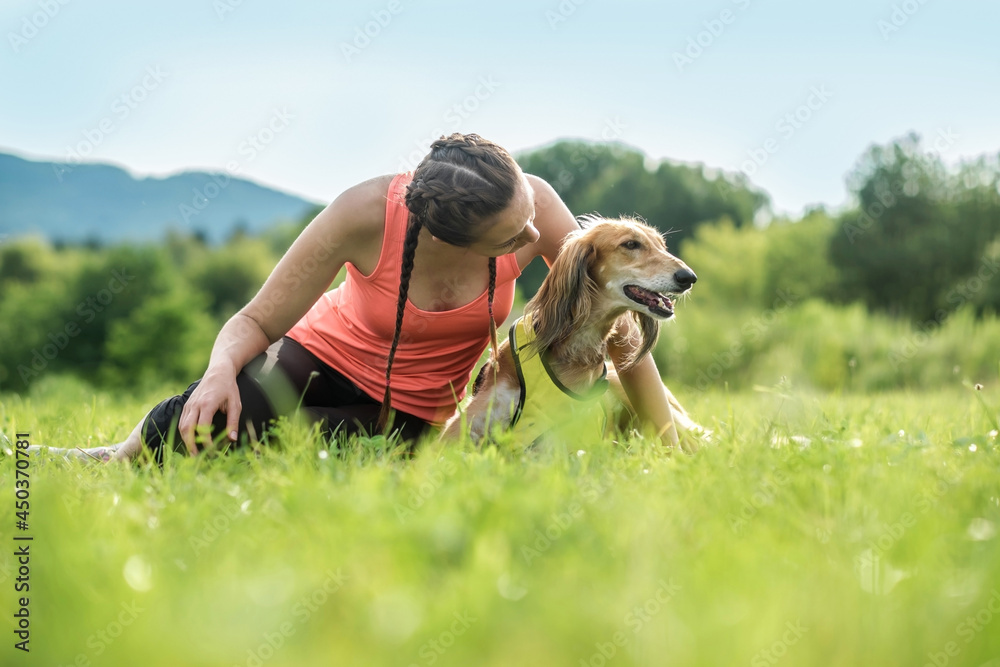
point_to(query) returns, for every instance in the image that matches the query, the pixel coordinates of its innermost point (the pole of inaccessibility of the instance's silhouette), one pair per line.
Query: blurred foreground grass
(819, 530)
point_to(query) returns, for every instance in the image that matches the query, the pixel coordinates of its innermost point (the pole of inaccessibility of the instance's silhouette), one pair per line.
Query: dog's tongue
(649, 298)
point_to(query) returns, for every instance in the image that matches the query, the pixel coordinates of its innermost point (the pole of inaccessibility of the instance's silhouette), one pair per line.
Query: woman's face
(512, 228)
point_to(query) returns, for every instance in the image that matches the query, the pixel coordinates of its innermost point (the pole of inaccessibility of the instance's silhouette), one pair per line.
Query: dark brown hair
(463, 181)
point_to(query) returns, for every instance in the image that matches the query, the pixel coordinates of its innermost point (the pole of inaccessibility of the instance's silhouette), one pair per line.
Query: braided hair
(463, 181)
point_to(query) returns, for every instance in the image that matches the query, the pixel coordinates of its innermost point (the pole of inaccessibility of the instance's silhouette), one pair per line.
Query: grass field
(817, 530)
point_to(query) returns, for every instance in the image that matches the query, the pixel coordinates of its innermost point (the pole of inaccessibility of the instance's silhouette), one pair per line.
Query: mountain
(73, 203)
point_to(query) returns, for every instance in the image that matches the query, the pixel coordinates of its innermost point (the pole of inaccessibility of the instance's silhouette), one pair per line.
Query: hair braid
(409, 250)
(460, 184)
(489, 301)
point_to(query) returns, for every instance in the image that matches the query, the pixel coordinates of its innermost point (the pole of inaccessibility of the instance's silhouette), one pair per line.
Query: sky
(311, 98)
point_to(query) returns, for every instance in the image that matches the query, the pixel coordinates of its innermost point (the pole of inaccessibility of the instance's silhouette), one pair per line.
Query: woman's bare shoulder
(552, 219)
(361, 208)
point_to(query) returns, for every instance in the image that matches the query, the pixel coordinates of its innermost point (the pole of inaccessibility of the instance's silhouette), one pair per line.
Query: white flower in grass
(509, 589)
(138, 574)
(981, 530)
(876, 575)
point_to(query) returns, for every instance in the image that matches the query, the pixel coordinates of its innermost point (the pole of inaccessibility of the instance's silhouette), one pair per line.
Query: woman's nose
(532, 233)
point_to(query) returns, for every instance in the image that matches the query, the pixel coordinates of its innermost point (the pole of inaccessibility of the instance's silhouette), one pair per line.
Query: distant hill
(82, 202)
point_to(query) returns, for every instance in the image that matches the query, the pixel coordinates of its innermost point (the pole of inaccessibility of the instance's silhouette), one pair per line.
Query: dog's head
(629, 263)
(615, 266)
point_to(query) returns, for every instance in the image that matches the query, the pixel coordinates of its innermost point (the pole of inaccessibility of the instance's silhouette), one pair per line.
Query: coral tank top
(350, 328)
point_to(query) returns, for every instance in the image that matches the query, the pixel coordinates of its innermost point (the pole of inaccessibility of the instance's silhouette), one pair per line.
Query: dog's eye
(632, 244)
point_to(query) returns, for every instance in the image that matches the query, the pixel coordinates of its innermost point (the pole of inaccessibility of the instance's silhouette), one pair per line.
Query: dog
(612, 279)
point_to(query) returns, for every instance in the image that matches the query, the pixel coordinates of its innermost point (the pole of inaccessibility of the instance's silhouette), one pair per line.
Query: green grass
(825, 530)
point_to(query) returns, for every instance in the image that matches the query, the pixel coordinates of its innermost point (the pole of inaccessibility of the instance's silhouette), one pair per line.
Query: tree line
(919, 243)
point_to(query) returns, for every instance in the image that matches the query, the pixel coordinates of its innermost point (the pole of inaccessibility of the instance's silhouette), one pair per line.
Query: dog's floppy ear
(566, 295)
(650, 329)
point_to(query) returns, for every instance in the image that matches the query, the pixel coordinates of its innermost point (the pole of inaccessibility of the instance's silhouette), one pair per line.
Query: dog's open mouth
(658, 304)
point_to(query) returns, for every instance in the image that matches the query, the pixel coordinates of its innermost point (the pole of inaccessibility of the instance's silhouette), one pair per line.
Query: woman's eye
(632, 244)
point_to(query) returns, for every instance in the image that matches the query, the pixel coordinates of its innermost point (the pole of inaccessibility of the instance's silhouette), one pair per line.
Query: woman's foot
(122, 451)
(99, 454)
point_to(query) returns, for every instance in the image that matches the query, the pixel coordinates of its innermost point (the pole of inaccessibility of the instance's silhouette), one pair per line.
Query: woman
(431, 261)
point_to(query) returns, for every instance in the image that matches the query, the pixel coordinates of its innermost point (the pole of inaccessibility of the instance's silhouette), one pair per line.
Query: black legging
(278, 381)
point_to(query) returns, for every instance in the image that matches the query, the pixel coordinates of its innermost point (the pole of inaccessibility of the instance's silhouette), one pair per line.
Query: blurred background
(830, 171)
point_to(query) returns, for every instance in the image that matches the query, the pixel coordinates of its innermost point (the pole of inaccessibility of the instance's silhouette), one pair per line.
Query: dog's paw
(695, 437)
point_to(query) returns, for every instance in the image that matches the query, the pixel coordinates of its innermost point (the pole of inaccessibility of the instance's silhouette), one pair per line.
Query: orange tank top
(350, 328)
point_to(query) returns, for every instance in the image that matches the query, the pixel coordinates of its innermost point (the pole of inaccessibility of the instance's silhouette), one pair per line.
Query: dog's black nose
(685, 278)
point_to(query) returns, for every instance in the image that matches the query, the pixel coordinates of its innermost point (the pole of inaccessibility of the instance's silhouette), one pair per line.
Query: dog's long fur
(580, 307)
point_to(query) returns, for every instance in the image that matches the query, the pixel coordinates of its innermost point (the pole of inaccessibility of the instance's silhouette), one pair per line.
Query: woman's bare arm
(348, 230)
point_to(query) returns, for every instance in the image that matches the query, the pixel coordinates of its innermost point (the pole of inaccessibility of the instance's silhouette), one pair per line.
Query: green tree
(917, 232)
(168, 337)
(796, 259)
(231, 275)
(25, 260)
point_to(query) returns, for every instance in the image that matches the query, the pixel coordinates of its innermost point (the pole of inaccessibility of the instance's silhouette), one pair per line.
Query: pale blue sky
(607, 69)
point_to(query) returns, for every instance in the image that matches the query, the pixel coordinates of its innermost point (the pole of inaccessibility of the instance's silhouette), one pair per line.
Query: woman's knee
(160, 428)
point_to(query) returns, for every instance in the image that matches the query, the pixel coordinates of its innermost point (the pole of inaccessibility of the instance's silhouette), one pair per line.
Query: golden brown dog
(614, 278)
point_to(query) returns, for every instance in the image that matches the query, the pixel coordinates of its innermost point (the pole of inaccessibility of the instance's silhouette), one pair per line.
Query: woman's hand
(216, 392)
(345, 231)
